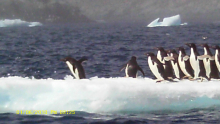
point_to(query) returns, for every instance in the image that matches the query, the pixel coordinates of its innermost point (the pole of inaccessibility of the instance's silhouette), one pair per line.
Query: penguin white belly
(207, 64)
(176, 69)
(207, 67)
(195, 64)
(216, 60)
(154, 69)
(183, 66)
(71, 69)
(77, 73)
(159, 57)
(126, 71)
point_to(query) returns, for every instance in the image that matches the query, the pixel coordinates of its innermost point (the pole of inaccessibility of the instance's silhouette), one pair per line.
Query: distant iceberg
(168, 21)
(18, 22)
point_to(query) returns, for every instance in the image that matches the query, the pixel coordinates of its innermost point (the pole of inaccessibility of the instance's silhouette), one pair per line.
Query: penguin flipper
(168, 58)
(82, 60)
(212, 57)
(139, 68)
(162, 71)
(185, 58)
(219, 57)
(203, 57)
(123, 67)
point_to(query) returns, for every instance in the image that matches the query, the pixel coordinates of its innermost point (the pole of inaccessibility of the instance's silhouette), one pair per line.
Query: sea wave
(105, 94)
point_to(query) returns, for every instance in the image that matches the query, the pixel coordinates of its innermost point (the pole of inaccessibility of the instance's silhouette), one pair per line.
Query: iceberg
(168, 21)
(111, 95)
(18, 22)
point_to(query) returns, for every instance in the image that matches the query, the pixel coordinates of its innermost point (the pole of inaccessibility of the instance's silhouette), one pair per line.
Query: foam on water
(17, 22)
(105, 94)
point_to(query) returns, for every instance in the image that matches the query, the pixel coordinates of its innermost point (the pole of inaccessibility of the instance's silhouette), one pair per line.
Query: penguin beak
(156, 48)
(202, 45)
(213, 47)
(188, 44)
(168, 51)
(63, 60)
(146, 54)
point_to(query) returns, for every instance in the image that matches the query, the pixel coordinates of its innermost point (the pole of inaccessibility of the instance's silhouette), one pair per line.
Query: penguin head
(68, 59)
(191, 45)
(168, 51)
(133, 58)
(204, 45)
(180, 48)
(150, 54)
(215, 47)
(172, 51)
(159, 48)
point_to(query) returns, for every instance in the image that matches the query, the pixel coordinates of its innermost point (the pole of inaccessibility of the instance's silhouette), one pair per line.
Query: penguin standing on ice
(165, 60)
(217, 56)
(156, 67)
(132, 67)
(76, 67)
(197, 62)
(209, 63)
(175, 64)
(184, 63)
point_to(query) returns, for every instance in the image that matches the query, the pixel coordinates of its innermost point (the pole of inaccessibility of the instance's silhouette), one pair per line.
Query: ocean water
(35, 82)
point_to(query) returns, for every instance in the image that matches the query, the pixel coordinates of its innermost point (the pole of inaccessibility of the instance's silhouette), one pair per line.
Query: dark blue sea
(35, 82)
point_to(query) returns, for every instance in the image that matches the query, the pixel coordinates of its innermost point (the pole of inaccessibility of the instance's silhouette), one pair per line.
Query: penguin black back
(211, 67)
(161, 54)
(217, 56)
(131, 68)
(177, 70)
(185, 64)
(156, 66)
(76, 66)
(198, 66)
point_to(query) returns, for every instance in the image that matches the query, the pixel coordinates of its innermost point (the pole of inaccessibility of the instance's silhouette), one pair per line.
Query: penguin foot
(171, 78)
(158, 81)
(185, 77)
(189, 77)
(201, 79)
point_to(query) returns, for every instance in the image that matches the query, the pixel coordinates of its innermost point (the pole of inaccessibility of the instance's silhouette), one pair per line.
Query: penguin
(184, 63)
(209, 63)
(131, 68)
(175, 64)
(76, 67)
(217, 56)
(197, 62)
(164, 59)
(156, 67)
